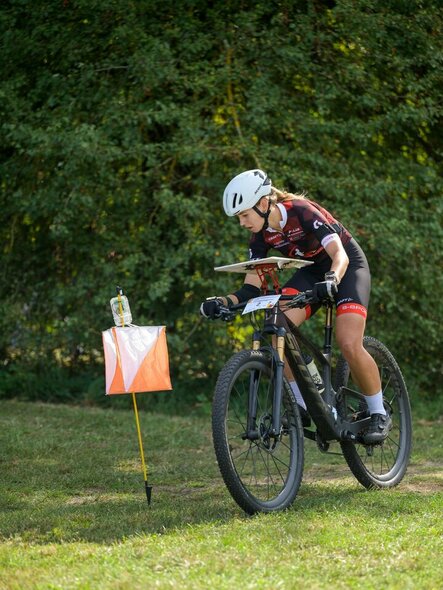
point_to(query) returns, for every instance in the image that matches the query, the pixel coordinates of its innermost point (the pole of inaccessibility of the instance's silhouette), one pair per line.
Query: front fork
(278, 383)
(278, 364)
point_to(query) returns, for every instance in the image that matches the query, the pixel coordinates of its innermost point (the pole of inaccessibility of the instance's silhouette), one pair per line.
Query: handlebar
(299, 300)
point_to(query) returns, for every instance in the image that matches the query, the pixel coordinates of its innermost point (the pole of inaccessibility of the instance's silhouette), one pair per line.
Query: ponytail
(278, 196)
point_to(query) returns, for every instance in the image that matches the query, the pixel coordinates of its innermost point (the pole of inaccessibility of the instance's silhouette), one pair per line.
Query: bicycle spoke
(246, 451)
(279, 472)
(266, 465)
(238, 422)
(391, 441)
(275, 459)
(246, 458)
(253, 475)
(283, 443)
(393, 399)
(235, 412)
(238, 437)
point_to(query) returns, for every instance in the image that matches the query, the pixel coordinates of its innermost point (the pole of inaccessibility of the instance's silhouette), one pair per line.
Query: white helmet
(245, 190)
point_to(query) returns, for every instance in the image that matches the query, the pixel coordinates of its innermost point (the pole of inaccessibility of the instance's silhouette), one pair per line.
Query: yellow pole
(148, 489)
(140, 442)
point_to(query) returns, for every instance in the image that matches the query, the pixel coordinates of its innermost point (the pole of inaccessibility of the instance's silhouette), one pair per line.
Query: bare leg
(297, 316)
(349, 331)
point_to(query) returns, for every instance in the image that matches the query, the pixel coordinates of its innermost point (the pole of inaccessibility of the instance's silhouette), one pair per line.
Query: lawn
(73, 513)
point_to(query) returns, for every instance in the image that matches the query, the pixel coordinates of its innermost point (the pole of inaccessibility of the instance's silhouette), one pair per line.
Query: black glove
(325, 290)
(210, 308)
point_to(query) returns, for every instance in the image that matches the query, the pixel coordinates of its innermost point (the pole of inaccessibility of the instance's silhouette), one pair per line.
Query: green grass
(73, 512)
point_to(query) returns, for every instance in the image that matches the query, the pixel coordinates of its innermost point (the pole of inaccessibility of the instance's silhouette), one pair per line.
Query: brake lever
(302, 299)
(226, 315)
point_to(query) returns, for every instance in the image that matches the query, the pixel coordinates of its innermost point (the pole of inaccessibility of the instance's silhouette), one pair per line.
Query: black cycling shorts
(353, 290)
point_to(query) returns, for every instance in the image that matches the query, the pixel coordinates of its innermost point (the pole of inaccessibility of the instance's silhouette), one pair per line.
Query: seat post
(327, 347)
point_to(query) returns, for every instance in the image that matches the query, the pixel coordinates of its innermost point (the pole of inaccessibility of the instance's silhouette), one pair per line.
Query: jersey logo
(296, 252)
(295, 233)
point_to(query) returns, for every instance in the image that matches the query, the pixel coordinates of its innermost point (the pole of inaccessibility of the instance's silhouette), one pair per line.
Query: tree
(123, 122)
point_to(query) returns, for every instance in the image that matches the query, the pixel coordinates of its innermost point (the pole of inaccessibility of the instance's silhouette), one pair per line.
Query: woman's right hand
(210, 308)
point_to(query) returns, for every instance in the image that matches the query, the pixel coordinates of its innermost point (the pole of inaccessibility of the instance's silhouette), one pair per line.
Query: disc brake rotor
(268, 441)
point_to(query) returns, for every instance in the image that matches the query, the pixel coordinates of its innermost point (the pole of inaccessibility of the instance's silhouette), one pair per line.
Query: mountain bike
(259, 429)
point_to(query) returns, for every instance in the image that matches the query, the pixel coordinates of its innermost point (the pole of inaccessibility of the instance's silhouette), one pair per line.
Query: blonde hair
(278, 196)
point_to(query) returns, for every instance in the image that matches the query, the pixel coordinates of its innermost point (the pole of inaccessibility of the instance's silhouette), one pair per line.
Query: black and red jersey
(305, 231)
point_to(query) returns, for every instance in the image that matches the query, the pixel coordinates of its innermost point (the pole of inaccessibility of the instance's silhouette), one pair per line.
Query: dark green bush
(121, 124)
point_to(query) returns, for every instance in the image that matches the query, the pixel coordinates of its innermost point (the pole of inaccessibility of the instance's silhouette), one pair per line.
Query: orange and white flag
(136, 359)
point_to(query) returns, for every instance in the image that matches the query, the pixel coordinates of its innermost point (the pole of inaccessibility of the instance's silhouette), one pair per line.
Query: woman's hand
(210, 308)
(325, 290)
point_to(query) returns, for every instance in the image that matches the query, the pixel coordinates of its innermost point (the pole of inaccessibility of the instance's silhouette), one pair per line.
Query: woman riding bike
(300, 228)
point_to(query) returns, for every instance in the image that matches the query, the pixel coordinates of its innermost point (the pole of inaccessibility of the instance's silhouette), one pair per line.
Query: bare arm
(252, 278)
(339, 258)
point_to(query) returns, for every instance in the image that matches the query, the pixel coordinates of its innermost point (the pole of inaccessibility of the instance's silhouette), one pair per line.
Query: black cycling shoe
(378, 429)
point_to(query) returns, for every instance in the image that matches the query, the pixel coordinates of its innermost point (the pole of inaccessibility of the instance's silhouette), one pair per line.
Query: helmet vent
(235, 202)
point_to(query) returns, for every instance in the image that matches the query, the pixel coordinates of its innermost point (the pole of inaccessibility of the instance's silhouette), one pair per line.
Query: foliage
(122, 122)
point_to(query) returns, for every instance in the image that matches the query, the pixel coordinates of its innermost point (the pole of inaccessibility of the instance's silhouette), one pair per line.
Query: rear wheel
(262, 473)
(382, 465)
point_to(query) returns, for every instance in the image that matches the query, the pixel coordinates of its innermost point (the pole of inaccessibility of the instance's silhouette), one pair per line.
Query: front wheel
(263, 473)
(382, 465)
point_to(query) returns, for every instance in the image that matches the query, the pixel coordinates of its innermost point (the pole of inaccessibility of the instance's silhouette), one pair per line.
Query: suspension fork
(251, 426)
(273, 326)
(278, 382)
(278, 366)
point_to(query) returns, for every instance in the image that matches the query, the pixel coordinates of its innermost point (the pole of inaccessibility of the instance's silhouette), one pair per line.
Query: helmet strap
(264, 215)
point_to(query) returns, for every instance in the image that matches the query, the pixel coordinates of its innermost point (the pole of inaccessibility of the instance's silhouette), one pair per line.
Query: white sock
(298, 396)
(375, 403)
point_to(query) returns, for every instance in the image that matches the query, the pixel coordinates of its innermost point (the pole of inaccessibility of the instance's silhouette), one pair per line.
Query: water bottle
(312, 368)
(115, 306)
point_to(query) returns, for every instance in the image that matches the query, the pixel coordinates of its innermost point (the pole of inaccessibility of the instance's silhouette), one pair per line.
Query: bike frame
(321, 407)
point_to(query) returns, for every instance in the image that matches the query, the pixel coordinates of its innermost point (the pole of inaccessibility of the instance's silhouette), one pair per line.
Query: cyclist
(300, 228)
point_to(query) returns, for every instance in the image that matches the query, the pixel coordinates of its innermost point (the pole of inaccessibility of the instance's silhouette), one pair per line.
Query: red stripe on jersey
(352, 308)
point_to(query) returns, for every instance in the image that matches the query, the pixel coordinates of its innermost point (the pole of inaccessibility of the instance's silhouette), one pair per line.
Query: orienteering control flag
(136, 359)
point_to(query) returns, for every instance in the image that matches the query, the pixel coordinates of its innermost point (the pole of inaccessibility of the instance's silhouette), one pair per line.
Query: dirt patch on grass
(78, 500)
(423, 478)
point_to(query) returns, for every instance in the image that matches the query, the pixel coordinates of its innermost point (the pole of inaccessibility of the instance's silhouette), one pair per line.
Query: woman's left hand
(325, 290)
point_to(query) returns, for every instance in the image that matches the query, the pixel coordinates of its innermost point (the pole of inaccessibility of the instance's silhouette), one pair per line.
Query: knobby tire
(259, 478)
(380, 466)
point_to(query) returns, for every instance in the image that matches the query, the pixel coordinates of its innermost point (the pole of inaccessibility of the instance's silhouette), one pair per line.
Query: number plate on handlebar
(263, 302)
